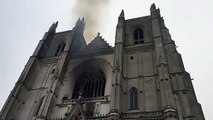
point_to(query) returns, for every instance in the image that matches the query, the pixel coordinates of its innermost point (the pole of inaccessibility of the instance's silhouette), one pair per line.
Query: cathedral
(141, 78)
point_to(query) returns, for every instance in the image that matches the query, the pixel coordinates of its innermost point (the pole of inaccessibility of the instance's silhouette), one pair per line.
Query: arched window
(91, 83)
(60, 49)
(138, 36)
(133, 98)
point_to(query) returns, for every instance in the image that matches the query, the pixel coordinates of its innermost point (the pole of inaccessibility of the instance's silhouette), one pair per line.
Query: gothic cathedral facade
(141, 78)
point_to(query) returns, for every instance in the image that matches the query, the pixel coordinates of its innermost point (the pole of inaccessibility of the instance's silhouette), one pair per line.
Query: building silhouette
(141, 78)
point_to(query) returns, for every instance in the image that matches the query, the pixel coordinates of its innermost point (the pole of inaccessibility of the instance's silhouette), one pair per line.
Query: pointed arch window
(60, 49)
(133, 98)
(138, 36)
(91, 83)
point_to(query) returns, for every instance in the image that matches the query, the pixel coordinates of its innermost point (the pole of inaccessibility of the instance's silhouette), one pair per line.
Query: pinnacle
(122, 13)
(56, 24)
(153, 7)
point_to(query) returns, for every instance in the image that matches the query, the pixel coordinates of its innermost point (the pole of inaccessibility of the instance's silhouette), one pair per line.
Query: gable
(97, 44)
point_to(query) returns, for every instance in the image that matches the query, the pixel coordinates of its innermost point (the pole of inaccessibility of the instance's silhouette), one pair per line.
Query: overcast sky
(24, 22)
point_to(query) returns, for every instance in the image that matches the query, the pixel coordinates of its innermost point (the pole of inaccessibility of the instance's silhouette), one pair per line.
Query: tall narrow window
(138, 36)
(133, 98)
(60, 49)
(91, 83)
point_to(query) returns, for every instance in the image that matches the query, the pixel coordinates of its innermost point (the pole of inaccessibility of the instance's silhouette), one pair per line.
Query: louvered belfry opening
(91, 83)
(60, 49)
(138, 36)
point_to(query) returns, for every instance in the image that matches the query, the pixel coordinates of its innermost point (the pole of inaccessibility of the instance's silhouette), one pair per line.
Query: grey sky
(24, 22)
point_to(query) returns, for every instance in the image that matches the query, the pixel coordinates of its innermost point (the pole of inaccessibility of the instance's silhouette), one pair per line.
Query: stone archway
(90, 66)
(91, 82)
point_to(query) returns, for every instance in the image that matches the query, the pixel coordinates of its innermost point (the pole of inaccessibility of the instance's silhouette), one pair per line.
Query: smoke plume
(93, 11)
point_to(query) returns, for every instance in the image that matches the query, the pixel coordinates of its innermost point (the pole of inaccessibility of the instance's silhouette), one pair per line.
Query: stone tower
(141, 78)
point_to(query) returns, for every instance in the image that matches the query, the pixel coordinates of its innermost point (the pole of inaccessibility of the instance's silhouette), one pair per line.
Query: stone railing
(95, 117)
(157, 115)
(154, 115)
(85, 100)
(139, 45)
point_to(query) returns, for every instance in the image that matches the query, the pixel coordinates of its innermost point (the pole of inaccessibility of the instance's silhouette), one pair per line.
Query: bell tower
(141, 78)
(149, 76)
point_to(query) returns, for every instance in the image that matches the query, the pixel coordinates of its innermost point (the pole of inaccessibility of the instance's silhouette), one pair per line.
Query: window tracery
(92, 82)
(133, 98)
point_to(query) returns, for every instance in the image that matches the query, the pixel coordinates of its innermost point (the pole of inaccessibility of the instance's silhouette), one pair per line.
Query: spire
(78, 21)
(82, 19)
(155, 13)
(80, 24)
(153, 7)
(51, 30)
(122, 13)
(121, 19)
(56, 24)
(53, 27)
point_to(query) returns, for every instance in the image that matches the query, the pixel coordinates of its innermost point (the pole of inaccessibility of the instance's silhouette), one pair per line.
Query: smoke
(94, 13)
